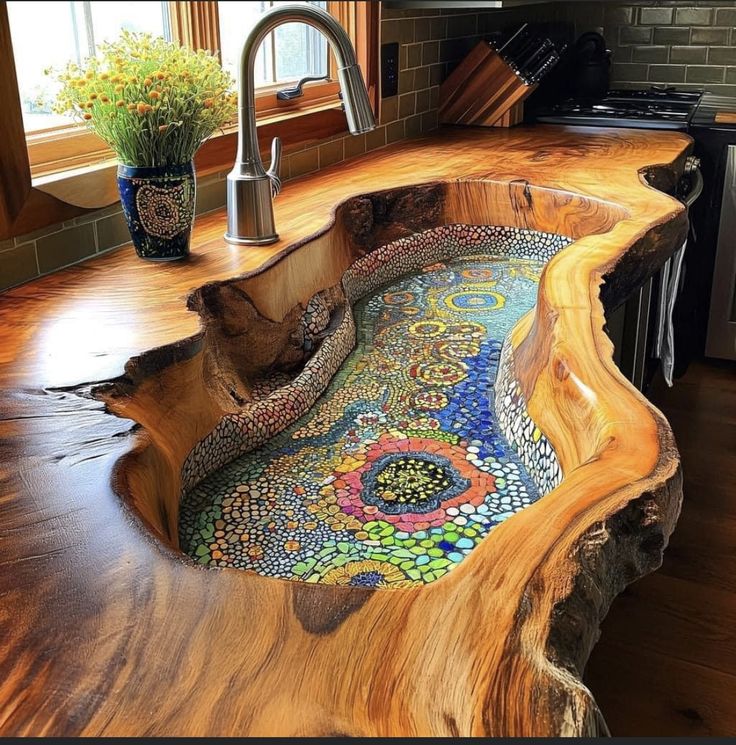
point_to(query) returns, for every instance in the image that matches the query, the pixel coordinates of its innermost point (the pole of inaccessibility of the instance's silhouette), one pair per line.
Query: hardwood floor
(666, 660)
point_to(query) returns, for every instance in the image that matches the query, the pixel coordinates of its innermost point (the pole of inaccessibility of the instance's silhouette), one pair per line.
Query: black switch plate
(389, 69)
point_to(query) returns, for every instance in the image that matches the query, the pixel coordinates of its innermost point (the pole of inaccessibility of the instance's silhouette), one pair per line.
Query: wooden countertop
(105, 630)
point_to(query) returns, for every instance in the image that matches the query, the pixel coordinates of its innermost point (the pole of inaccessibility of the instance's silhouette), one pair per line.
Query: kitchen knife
(523, 51)
(543, 66)
(511, 50)
(513, 40)
(526, 63)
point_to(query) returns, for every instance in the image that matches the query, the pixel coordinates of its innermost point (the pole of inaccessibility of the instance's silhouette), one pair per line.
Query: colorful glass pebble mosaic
(401, 467)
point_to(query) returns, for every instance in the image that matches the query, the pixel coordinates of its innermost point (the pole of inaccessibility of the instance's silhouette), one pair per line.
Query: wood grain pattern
(111, 631)
(15, 179)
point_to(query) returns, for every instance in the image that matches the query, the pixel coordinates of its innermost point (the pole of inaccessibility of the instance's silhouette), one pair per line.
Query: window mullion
(89, 28)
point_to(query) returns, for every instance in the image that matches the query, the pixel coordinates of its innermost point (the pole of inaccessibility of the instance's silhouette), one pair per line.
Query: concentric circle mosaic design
(400, 468)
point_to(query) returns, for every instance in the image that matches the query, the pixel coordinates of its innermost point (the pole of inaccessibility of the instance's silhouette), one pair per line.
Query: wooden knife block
(483, 91)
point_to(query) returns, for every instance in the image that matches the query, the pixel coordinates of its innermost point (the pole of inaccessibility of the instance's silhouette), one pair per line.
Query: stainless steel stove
(650, 108)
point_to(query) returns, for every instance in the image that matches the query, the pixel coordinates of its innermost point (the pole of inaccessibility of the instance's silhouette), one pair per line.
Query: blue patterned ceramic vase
(158, 203)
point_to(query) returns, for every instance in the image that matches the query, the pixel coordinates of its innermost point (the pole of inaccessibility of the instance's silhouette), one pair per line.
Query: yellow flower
(194, 84)
(87, 116)
(368, 573)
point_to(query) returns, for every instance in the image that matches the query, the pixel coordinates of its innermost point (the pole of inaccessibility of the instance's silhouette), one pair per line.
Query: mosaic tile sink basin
(411, 455)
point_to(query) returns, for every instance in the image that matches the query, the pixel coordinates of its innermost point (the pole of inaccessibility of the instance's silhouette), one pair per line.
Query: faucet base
(250, 209)
(259, 241)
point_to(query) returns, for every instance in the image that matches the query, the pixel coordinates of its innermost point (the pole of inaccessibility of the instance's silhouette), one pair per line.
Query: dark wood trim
(15, 174)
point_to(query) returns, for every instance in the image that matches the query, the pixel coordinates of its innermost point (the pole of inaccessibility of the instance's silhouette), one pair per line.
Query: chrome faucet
(250, 188)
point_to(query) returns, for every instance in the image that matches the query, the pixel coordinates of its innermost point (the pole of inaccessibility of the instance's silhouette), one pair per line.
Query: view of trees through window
(50, 34)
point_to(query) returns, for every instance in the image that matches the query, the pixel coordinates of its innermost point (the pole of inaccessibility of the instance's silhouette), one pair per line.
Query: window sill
(93, 186)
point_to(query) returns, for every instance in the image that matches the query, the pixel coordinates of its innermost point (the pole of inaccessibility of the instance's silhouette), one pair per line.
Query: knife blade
(530, 59)
(543, 66)
(524, 49)
(513, 39)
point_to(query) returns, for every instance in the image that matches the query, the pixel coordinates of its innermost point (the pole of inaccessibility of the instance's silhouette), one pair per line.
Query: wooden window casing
(56, 164)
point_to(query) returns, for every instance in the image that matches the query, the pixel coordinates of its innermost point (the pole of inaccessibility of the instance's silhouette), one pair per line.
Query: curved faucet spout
(250, 188)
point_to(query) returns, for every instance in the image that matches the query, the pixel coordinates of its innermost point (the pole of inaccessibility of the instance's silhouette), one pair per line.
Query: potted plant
(154, 103)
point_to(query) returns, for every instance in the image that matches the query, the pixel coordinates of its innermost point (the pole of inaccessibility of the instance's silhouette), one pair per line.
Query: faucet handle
(273, 171)
(289, 94)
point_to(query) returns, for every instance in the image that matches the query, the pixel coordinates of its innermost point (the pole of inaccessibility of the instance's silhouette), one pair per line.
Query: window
(73, 31)
(69, 31)
(292, 51)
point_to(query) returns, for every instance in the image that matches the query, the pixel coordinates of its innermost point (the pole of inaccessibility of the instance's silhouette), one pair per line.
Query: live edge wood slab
(108, 630)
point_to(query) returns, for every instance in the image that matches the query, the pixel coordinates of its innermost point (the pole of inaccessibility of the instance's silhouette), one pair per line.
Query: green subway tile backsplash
(17, 264)
(66, 247)
(655, 16)
(688, 55)
(693, 16)
(112, 231)
(691, 43)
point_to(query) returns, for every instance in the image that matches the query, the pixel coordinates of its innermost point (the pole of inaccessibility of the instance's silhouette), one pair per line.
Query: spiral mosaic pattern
(164, 212)
(400, 467)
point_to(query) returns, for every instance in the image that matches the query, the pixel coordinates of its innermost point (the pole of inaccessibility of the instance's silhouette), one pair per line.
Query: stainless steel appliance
(721, 339)
(658, 107)
(714, 128)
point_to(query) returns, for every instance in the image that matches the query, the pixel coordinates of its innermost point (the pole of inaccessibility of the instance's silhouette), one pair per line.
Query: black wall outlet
(389, 69)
